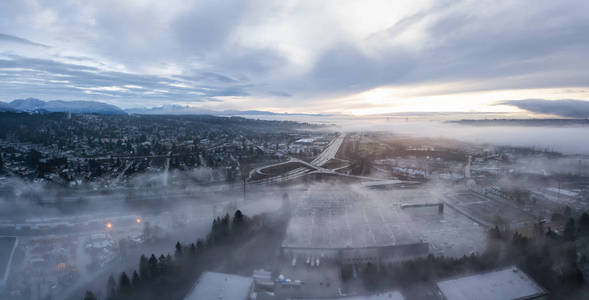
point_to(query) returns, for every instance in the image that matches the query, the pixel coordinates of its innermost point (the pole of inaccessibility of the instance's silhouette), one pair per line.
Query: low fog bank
(182, 207)
(145, 193)
(567, 140)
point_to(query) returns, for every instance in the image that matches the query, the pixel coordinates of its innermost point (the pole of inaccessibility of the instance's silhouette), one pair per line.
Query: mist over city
(278, 150)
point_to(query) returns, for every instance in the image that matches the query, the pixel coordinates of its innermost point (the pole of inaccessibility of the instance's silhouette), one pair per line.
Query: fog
(149, 212)
(182, 209)
(560, 139)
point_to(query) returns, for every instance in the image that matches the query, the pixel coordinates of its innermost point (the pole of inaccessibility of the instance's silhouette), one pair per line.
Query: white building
(213, 285)
(508, 283)
(392, 295)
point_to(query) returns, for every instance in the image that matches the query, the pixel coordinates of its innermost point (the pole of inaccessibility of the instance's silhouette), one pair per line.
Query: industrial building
(508, 283)
(213, 285)
(349, 230)
(489, 209)
(393, 295)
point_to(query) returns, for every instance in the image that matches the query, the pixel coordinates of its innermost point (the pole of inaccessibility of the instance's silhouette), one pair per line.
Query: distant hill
(77, 107)
(171, 110)
(524, 122)
(4, 107)
(92, 107)
(189, 110)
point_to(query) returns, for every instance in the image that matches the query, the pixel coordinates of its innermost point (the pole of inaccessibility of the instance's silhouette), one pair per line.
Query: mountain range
(33, 105)
(175, 109)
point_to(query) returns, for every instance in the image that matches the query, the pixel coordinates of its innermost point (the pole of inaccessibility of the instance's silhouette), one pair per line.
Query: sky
(331, 56)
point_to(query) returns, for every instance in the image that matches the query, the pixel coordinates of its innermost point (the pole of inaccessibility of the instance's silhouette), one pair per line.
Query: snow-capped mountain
(78, 107)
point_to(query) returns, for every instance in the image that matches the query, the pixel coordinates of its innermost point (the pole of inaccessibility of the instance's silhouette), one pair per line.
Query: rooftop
(324, 221)
(212, 285)
(508, 283)
(392, 295)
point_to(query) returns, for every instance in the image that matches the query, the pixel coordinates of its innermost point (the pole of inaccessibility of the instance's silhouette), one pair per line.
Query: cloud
(20, 76)
(563, 108)
(311, 51)
(14, 39)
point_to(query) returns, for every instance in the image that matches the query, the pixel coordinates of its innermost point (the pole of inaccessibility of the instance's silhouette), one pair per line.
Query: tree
(162, 265)
(1, 160)
(192, 250)
(144, 267)
(584, 224)
(32, 158)
(111, 287)
(178, 252)
(90, 296)
(495, 233)
(135, 280)
(153, 267)
(225, 229)
(124, 283)
(200, 245)
(568, 211)
(238, 217)
(238, 222)
(569, 230)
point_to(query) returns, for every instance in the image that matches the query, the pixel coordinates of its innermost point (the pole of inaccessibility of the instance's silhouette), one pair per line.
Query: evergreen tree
(144, 267)
(495, 233)
(1, 160)
(200, 245)
(135, 280)
(90, 296)
(111, 287)
(124, 284)
(153, 267)
(238, 220)
(568, 211)
(178, 252)
(192, 250)
(225, 226)
(162, 264)
(569, 230)
(584, 224)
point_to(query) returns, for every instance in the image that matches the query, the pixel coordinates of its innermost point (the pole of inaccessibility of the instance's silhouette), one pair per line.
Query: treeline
(171, 276)
(548, 257)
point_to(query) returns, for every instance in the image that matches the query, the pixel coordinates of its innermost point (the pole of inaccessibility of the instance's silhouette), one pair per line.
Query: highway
(330, 151)
(315, 166)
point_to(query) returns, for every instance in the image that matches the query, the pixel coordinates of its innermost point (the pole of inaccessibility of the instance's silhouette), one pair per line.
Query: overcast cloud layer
(564, 108)
(294, 55)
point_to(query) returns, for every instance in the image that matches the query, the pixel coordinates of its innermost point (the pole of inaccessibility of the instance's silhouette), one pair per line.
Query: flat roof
(392, 295)
(213, 285)
(325, 221)
(508, 283)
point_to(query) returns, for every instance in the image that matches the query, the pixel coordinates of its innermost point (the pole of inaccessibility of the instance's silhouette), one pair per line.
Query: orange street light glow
(138, 220)
(108, 225)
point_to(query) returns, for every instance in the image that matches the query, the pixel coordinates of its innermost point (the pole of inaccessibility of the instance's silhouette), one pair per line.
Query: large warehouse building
(508, 283)
(350, 230)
